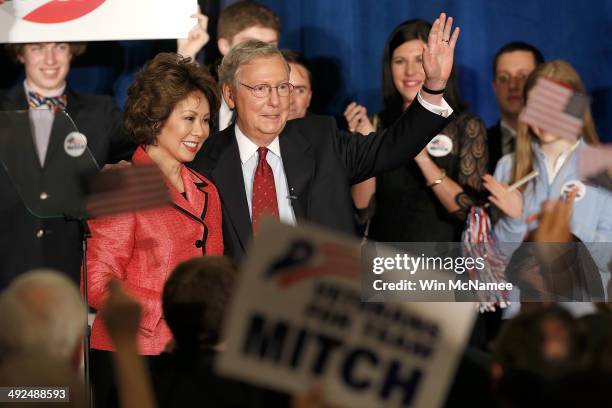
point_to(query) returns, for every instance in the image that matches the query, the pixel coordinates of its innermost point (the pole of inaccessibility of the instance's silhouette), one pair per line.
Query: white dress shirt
(443, 109)
(249, 159)
(553, 168)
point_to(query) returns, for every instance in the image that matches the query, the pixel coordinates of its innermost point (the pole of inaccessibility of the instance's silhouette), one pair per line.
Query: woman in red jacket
(168, 114)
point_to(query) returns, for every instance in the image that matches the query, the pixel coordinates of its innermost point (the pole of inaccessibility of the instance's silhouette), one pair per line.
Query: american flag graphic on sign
(555, 108)
(305, 259)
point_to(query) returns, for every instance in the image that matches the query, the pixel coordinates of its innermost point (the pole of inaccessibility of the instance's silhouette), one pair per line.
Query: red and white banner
(94, 20)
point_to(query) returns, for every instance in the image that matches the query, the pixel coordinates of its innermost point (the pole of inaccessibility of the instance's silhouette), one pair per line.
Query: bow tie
(56, 103)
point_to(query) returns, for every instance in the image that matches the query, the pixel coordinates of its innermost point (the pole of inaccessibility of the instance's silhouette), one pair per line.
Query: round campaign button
(571, 185)
(75, 144)
(440, 146)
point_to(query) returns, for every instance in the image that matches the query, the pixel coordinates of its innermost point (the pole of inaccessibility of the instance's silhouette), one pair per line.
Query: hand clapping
(357, 118)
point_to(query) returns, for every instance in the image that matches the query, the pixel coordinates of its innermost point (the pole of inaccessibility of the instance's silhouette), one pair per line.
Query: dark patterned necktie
(264, 191)
(55, 103)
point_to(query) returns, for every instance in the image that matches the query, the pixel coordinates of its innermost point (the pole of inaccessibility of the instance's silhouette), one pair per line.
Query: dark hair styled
(295, 57)
(245, 14)
(16, 50)
(195, 298)
(393, 103)
(538, 58)
(158, 87)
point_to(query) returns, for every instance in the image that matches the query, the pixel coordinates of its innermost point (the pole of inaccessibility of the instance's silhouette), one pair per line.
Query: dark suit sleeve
(120, 146)
(378, 152)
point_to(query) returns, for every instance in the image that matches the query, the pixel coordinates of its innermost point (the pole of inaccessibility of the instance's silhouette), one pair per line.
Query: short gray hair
(42, 310)
(242, 54)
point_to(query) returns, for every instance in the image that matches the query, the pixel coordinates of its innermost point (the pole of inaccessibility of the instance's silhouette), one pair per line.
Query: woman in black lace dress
(428, 199)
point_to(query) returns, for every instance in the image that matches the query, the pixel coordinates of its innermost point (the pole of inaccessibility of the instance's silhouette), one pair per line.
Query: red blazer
(142, 248)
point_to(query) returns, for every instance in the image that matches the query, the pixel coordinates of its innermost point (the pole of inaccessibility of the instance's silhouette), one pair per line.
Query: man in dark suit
(303, 169)
(512, 65)
(26, 241)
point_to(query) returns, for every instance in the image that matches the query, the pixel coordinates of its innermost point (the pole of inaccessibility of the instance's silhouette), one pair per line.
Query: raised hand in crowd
(357, 118)
(438, 56)
(508, 201)
(554, 220)
(198, 37)
(121, 315)
(554, 227)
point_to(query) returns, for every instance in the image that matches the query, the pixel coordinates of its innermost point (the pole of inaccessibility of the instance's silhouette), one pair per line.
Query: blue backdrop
(345, 40)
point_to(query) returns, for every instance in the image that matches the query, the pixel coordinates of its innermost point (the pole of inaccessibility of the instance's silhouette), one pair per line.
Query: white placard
(94, 20)
(297, 320)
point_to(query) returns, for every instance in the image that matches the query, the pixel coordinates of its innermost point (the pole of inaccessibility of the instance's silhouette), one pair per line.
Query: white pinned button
(574, 185)
(440, 146)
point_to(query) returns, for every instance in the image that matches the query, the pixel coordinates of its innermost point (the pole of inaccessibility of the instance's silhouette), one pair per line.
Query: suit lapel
(197, 196)
(227, 176)
(15, 98)
(196, 203)
(18, 154)
(61, 127)
(299, 168)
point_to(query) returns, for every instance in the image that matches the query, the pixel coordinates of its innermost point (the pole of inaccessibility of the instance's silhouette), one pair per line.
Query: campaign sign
(91, 20)
(297, 319)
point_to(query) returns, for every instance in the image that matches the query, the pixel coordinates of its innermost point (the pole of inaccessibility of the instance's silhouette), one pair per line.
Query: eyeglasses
(263, 90)
(504, 79)
(300, 89)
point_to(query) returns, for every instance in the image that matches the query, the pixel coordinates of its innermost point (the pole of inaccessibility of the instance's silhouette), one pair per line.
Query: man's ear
(224, 45)
(228, 95)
